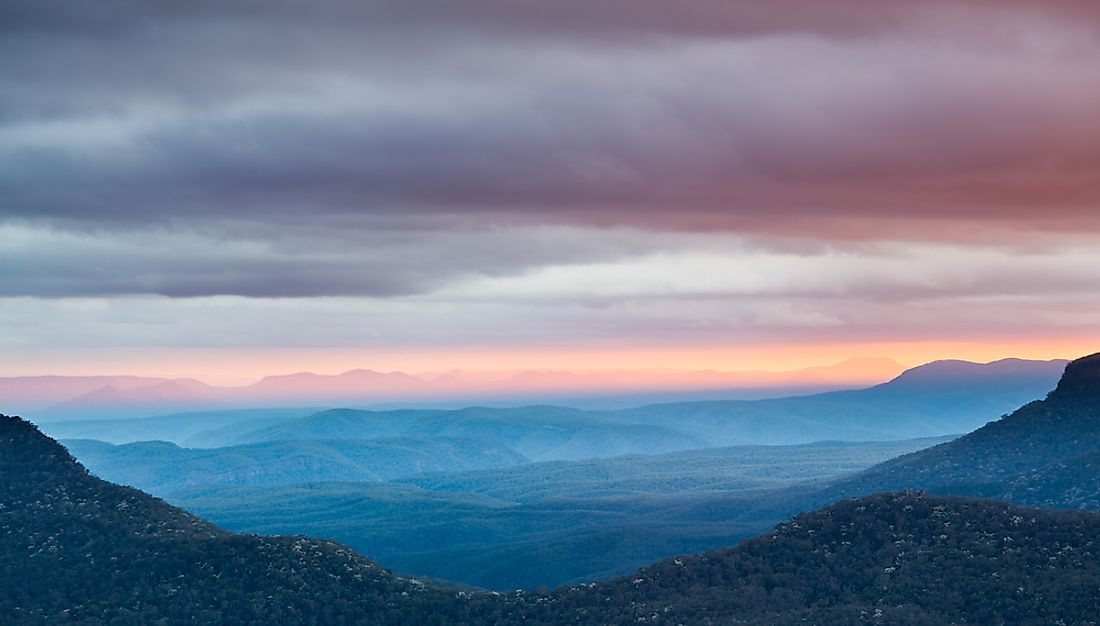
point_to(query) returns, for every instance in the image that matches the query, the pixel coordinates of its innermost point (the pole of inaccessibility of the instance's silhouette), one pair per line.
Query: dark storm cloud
(378, 136)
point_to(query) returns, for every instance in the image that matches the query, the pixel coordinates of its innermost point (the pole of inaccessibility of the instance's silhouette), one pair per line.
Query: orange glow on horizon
(235, 367)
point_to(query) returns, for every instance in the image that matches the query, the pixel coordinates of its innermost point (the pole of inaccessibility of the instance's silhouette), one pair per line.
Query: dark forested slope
(906, 558)
(78, 550)
(1044, 454)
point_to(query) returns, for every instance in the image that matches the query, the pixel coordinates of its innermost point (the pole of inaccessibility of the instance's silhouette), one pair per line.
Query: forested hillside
(890, 558)
(1043, 454)
(77, 550)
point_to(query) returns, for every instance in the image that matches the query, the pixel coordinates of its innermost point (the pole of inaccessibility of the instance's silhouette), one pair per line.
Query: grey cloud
(578, 143)
(349, 139)
(276, 261)
(566, 17)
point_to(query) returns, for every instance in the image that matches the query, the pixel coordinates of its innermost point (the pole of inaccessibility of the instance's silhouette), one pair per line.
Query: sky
(231, 189)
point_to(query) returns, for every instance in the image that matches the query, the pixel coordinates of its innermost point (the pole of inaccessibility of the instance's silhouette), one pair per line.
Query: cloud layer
(584, 171)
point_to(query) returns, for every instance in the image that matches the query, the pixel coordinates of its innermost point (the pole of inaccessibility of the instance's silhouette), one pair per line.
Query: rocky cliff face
(1081, 381)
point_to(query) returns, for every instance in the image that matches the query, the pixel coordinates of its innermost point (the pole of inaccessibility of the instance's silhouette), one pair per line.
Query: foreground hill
(885, 559)
(1044, 454)
(77, 550)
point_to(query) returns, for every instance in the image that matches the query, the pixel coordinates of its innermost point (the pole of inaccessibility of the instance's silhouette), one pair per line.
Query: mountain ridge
(891, 410)
(161, 467)
(116, 555)
(1001, 458)
(90, 397)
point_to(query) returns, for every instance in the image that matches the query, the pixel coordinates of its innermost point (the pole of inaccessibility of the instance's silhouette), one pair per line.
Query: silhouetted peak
(24, 449)
(1081, 379)
(956, 373)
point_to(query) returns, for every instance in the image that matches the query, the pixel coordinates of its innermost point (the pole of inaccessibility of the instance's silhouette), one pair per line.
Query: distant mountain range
(161, 467)
(91, 397)
(941, 398)
(75, 549)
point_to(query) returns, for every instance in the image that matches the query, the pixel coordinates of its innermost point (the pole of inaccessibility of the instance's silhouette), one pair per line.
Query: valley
(903, 557)
(482, 496)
